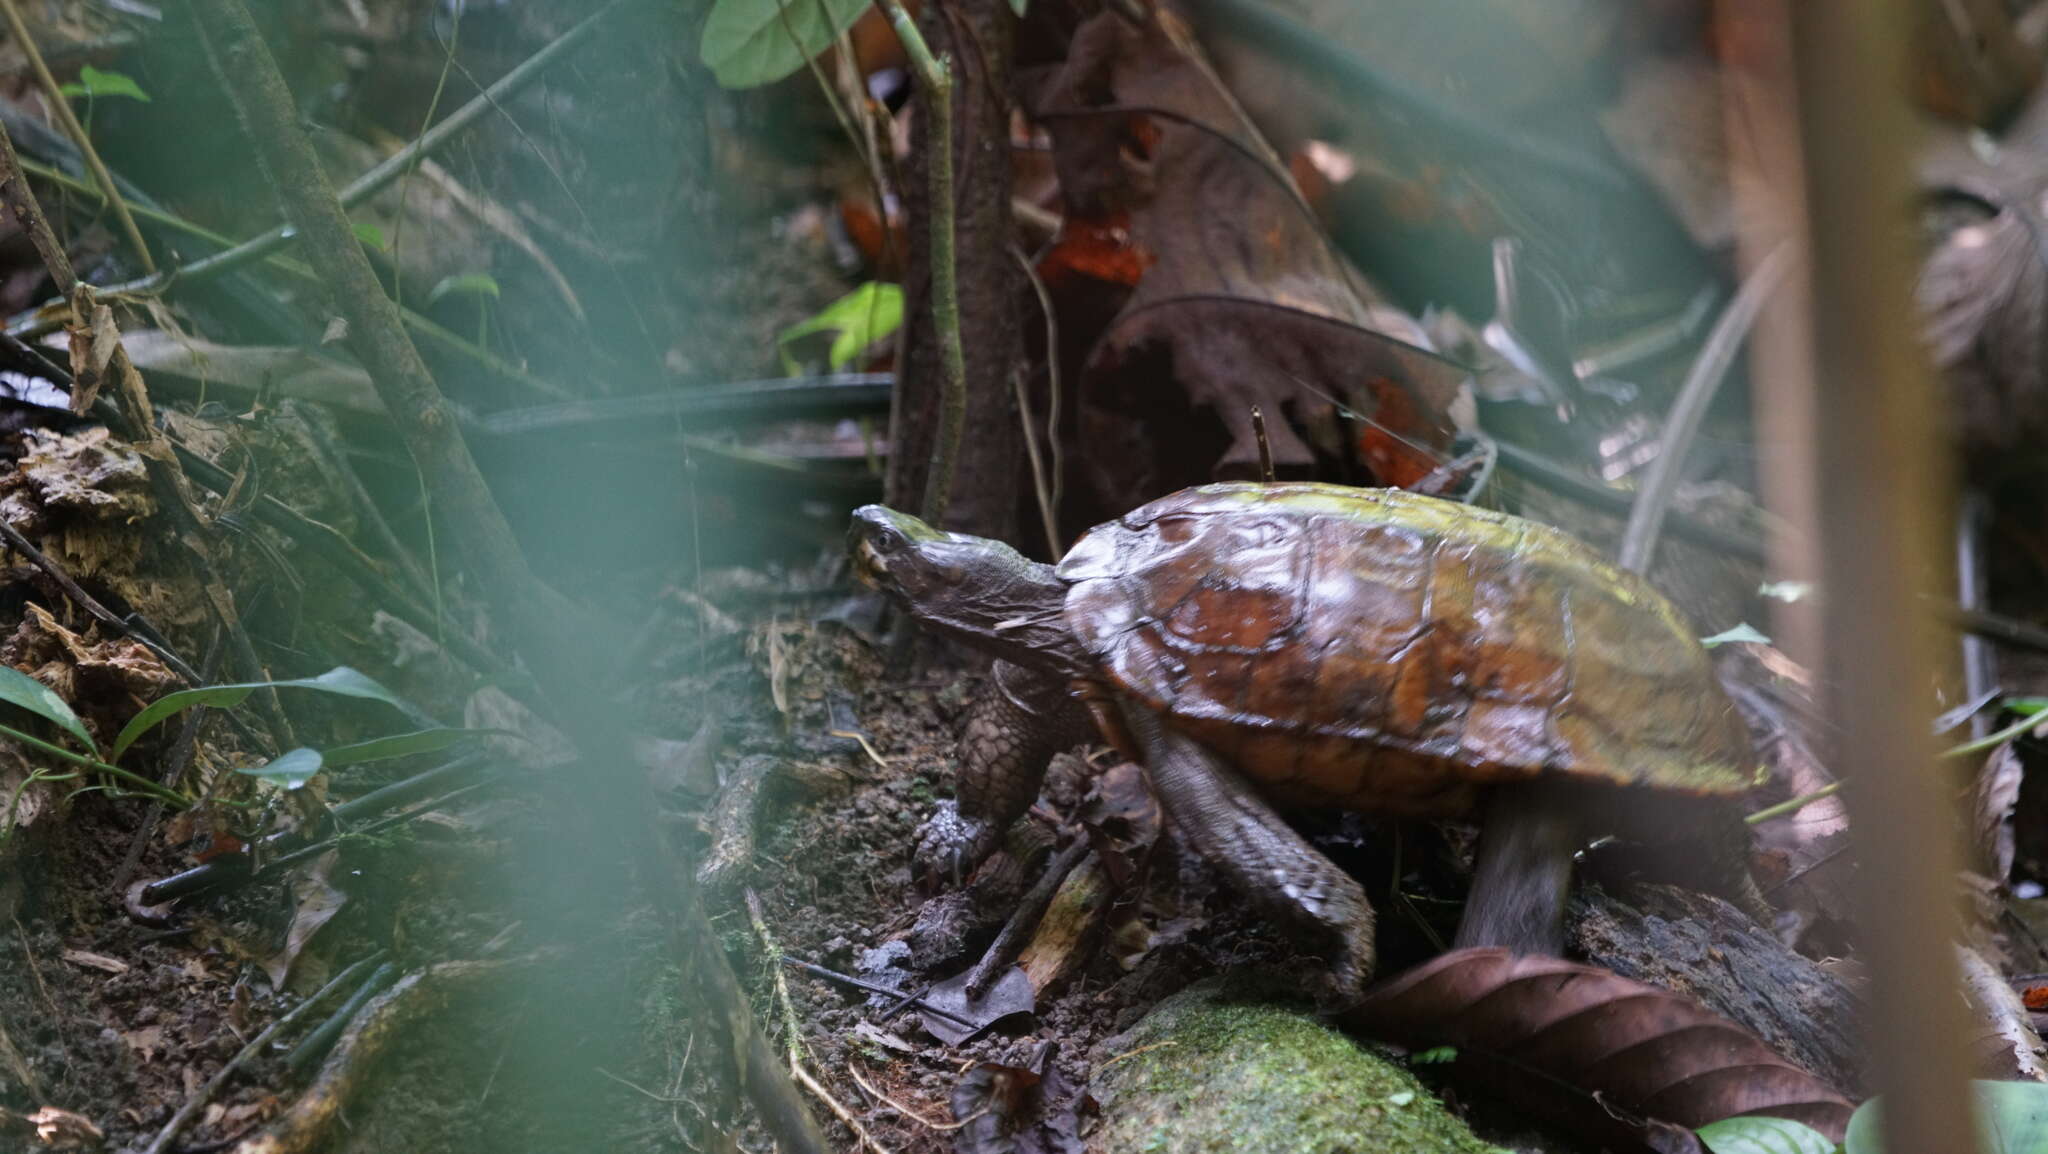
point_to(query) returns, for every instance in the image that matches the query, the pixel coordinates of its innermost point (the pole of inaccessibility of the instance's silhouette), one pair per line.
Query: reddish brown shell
(1381, 650)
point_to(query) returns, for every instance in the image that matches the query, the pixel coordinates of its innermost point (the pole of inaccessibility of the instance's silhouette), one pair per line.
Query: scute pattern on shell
(1382, 650)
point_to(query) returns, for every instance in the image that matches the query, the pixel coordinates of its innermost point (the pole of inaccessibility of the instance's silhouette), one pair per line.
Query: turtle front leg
(1224, 820)
(1523, 876)
(1020, 720)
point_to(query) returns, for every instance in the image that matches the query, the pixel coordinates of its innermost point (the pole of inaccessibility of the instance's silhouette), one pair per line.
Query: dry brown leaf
(93, 961)
(1239, 302)
(1609, 1057)
(315, 901)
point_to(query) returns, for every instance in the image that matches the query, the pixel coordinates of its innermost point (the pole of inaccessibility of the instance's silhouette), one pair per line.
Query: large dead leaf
(1618, 1061)
(1983, 294)
(1240, 301)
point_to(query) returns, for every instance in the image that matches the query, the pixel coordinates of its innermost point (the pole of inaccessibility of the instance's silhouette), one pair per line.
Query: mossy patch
(1209, 1070)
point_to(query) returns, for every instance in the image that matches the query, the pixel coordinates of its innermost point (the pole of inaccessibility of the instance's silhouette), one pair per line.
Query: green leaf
(401, 744)
(2012, 1118)
(1742, 632)
(476, 284)
(290, 770)
(95, 83)
(340, 681)
(18, 688)
(1759, 1135)
(860, 318)
(370, 235)
(1018, 7)
(1434, 1056)
(2025, 706)
(751, 42)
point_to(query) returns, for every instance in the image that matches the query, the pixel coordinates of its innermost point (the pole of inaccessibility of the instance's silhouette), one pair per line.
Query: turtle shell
(1381, 650)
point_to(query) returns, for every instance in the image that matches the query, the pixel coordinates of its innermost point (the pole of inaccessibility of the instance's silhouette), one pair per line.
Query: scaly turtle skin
(1310, 644)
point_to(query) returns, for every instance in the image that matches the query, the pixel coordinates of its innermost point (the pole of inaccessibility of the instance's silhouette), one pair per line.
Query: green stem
(1989, 741)
(2017, 729)
(937, 75)
(1793, 805)
(135, 779)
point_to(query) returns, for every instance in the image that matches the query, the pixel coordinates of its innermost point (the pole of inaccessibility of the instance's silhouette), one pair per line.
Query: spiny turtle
(1314, 645)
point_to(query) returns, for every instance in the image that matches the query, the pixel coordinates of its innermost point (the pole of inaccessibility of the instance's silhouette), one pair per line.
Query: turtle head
(978, 590)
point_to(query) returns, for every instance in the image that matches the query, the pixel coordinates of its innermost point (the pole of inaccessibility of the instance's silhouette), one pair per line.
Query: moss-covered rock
(1209, 1071)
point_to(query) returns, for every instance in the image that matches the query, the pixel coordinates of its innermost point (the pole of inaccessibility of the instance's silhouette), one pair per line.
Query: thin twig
(1039, 483)
(1024, 920)
(205, 1093)
(1265, 447)
(817, 1088)
(936, 74)
(873, 988)
(793, 1044)
(942, 1127)
(1702, 383)
(54, 93)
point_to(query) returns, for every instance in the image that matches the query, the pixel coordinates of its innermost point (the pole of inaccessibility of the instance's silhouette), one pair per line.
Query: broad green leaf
(95, 83)
(1759, 1135)
(751, 42)
(1742, 632)
(18, 688)
(370, 235)
(860, 318)
(290, 770)
(2012, 1118)
(401, 744)
(474, 284)
(341, 681)
(2025, 706)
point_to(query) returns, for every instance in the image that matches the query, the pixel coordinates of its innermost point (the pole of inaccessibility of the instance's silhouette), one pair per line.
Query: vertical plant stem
(570, 649)
(69, 119)
(936, 73)
(1879, 490)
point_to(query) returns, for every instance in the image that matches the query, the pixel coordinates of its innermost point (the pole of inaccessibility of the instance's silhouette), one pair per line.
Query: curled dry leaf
(1123, 820)
(1802, 862)
(2005, 1046)
(315, 901)
(1993, 797)
(1031, 1109)
(1983, 298)
(1614, 1059)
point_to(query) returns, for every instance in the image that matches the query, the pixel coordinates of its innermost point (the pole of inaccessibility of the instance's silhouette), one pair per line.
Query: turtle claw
(949, 846)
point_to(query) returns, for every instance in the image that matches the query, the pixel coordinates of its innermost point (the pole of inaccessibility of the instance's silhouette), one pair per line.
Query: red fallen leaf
(1102, 249)
(881, 245)
(1618, 1061)
(2035, 997)
(223, 843)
